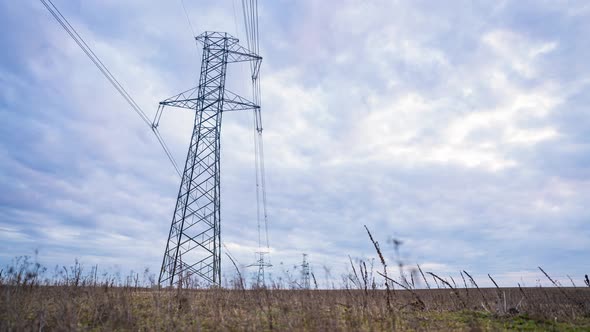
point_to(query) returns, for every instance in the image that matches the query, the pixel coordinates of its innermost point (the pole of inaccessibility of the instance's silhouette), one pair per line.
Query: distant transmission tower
(261, 263)
(305, 282)
(194, 242)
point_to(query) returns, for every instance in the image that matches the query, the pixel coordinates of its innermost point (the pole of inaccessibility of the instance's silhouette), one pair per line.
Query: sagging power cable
(188, 18)
(108, 75)
(250, 13)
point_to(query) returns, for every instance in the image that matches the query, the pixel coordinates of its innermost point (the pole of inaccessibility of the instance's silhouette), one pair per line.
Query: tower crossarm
(238, 53)
(231, 101)
(220, 41)
(216, 41)
(234, 102)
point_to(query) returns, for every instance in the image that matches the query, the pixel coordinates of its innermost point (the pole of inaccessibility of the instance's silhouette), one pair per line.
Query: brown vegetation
(368, 300)
(127, 308)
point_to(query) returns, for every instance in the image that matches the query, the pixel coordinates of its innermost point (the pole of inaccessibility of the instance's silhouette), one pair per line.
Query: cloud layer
(458, 129)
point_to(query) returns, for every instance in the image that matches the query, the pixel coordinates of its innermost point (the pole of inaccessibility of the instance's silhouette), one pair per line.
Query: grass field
(28, 305)
(367, 299)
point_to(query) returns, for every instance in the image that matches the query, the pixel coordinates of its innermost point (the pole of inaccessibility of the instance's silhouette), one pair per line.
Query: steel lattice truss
(194, 242)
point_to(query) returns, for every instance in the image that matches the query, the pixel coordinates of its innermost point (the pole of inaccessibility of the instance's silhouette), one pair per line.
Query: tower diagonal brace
(193, 249)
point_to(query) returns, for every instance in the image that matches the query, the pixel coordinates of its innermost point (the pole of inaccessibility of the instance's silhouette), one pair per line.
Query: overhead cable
(107, 74)
(188, 18)
(250, 13)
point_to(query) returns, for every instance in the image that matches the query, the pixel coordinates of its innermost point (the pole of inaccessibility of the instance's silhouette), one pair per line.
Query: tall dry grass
(33, 297)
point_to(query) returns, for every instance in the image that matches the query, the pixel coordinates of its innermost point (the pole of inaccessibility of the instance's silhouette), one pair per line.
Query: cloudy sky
(459, 128)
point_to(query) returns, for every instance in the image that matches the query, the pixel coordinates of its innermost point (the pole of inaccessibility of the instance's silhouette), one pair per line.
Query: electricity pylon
(305, 284)
(261, 263)
(194, 242)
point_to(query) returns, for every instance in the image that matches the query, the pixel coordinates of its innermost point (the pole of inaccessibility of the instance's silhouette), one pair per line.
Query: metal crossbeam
(231, 101)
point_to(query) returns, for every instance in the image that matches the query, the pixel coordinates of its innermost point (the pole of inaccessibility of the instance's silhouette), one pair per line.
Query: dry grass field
(28, 304)
(367, 299)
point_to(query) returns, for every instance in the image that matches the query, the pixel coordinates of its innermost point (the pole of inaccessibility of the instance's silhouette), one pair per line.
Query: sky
(459, 128)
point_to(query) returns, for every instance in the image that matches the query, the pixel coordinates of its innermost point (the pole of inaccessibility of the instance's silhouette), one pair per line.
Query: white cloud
(516, 51)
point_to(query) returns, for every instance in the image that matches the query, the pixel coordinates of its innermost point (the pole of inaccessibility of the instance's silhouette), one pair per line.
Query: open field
(366, 300)
(34, 307)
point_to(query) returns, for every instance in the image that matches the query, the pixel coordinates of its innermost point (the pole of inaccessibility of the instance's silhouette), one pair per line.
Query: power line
(233, 2)
(166, 150)
(188, 18)
(249, 25)
(257, 98)
(82, 44)
(250, 13)
(107, 74)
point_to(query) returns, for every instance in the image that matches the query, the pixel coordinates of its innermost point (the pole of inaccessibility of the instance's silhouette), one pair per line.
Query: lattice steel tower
(305, 284)
(194, 242)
